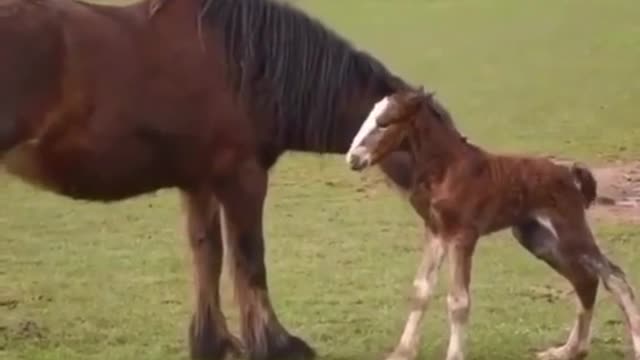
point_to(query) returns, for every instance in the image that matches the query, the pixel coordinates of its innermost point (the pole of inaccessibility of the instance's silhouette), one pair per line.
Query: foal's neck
(436, 151)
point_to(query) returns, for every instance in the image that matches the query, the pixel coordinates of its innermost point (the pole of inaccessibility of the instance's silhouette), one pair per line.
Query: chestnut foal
(463, 192)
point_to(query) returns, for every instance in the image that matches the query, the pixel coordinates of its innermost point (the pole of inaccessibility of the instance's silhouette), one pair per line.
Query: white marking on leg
(368, 125)
(424, 284)
(583, 329)
(458, 306)
(546, 222)
(623, 294)
(423, 291)
(458, 299)
(636, 343)
(578, 342)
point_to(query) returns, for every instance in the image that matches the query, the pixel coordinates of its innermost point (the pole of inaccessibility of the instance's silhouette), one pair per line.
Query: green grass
(89, 281)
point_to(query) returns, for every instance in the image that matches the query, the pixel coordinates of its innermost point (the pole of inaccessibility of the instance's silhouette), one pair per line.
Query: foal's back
(497, 191)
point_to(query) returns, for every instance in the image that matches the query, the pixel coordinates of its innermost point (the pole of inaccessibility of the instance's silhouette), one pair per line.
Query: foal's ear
(414, 100)
(154, 7)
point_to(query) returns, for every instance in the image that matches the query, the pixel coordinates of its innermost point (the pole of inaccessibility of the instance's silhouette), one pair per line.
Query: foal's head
(389, 123)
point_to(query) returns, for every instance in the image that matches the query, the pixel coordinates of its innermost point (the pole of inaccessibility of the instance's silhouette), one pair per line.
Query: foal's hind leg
(243, 197)
(539, 237)
(424, 285)
(209, 337)
(615, 282)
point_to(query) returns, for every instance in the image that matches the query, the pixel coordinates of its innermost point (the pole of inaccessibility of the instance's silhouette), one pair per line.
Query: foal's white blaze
(368, 125)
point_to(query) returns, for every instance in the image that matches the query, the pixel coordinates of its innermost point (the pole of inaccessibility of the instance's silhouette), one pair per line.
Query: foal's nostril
(358, 162)
(355, 163)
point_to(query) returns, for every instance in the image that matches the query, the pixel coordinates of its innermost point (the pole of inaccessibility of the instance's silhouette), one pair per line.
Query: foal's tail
(587, 183)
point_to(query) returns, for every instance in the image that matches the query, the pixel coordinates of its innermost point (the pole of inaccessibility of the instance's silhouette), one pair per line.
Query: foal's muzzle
(358, 159)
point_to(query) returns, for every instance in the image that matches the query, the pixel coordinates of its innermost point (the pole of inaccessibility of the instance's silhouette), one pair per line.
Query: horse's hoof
(217, 349)
(281, 347)
(209, 345)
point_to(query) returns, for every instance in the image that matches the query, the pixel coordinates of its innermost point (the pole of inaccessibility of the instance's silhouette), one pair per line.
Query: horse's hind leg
(539, 237)
(209, 338)
(243, 197)
(615, 282)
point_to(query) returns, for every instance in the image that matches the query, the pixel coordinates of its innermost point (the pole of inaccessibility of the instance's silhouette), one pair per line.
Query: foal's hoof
(396, 356)
(561, 353)
(283, 347)
(401, 353)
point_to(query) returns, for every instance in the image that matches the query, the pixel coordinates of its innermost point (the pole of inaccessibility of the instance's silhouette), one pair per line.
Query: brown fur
(463, 192)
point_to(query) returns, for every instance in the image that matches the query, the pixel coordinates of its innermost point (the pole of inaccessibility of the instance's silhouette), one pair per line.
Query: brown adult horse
(106, 103)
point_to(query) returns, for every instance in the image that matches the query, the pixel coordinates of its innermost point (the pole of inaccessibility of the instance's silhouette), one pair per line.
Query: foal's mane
(428, 99)
(441, 113)
(288, 65)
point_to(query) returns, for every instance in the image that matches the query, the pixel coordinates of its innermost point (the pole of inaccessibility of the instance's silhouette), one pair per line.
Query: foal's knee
(459, 306)
(421, 292)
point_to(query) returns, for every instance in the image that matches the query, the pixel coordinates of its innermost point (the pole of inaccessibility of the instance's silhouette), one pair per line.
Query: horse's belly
(86, 173)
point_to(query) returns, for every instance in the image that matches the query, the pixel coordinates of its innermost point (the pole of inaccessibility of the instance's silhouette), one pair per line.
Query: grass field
(96, 282)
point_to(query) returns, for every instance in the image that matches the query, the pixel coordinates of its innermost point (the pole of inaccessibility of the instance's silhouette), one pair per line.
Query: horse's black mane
(287, 64)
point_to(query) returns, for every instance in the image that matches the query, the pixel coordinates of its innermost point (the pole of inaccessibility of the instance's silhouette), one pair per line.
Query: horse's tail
(586, 182)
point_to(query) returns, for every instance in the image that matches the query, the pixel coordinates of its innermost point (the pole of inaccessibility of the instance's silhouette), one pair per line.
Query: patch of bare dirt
(23, 331)
(30, 330)
(618, 197)
(618, 192)
(9, 303)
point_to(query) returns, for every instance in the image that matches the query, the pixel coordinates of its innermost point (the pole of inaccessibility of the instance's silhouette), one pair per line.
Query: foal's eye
(383, 124)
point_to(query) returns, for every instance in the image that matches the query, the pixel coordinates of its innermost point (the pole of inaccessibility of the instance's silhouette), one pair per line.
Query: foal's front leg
(458, 299)
(424, 284)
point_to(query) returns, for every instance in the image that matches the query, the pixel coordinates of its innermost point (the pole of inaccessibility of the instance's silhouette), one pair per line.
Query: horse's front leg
(209, 338)
(424, 285)
(242, 196)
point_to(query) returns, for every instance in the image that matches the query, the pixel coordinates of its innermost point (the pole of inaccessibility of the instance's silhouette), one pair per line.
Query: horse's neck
(358, 106)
